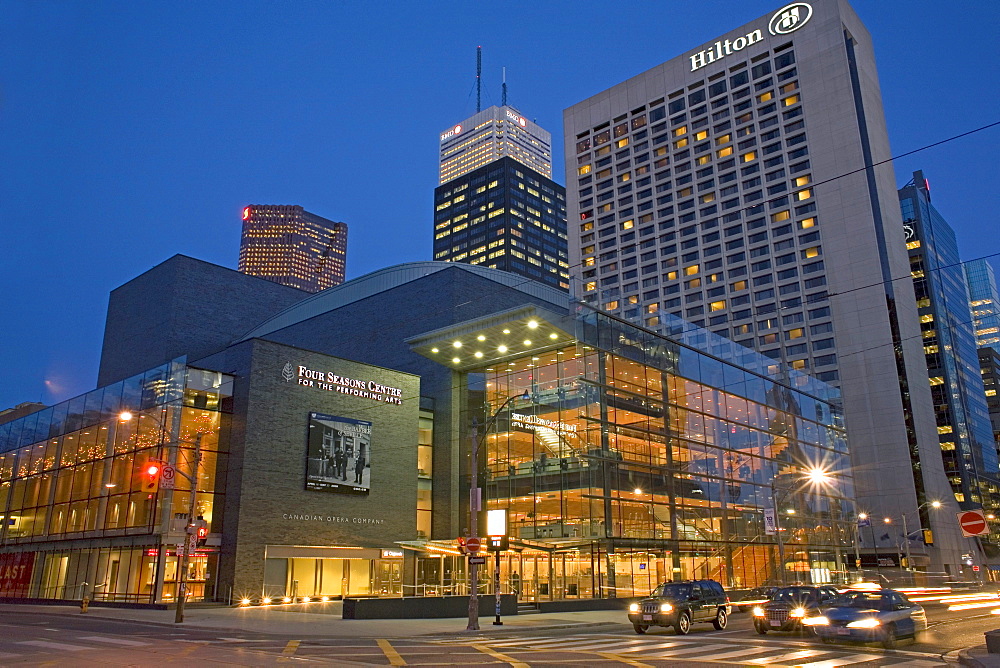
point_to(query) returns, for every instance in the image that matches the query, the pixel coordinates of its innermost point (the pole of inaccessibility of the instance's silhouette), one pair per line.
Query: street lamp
(815, 476)
(475, 502)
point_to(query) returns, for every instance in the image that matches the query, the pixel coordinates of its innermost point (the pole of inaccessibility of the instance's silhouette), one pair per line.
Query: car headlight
(816, 621)
(797, 612)
(666, 607)
(866, 623)
(758, 611)
(634, 607)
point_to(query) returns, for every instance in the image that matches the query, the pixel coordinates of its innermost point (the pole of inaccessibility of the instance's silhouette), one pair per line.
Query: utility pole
(475, 499)
(191, 535)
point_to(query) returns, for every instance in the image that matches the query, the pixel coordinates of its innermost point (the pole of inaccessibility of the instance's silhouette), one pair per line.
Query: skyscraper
(729, 186)
(290, 246)
(985, 303)
(965, 434)
(497, 204)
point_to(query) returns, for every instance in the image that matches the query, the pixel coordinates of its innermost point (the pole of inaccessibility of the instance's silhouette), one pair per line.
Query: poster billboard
(339, 454)
(15, 573)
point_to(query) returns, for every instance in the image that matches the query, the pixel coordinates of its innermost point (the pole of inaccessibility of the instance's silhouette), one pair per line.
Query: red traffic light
(153, 470)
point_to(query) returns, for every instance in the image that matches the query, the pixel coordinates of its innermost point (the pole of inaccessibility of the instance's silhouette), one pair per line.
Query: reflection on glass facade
(81, 512)
(637, 459)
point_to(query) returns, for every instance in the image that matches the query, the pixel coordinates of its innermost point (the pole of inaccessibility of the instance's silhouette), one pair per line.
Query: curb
(978, 657)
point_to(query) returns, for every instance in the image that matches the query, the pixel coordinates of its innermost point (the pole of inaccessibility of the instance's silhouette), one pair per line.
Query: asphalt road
(38, 639)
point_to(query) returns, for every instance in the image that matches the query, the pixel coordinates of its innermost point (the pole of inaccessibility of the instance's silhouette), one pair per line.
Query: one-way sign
(477, 560)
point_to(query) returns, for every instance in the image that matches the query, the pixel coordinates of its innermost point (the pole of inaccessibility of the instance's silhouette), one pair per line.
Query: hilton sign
(785, 20)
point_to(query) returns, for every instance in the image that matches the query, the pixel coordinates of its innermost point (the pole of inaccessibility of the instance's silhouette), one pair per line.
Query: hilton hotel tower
(728, 187)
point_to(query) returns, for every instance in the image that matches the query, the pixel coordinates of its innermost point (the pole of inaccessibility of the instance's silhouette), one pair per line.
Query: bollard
(84, 604)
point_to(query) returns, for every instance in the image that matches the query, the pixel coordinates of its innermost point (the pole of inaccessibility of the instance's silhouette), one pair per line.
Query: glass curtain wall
(77, 474)
(638, 460)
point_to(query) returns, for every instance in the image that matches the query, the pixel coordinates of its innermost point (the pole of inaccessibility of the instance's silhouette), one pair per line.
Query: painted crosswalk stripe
(667, 644)
(696, 649)
(842, 661)
(61, 646)
(512, 643)
(791, 656)
(593, 644)
(115, 641)
(744, 652)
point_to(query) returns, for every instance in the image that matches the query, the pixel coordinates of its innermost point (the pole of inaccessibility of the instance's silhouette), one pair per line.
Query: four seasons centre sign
(331, 382)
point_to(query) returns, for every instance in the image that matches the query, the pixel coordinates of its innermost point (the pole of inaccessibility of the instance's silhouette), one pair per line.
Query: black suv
(679, 604)
(788, 606)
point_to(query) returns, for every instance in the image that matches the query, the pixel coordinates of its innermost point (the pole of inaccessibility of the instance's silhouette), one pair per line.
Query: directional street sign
(973, 523)
(168, 476)
(477, 560)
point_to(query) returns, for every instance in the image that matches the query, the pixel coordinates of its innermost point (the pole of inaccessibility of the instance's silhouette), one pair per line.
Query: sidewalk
(288, 621)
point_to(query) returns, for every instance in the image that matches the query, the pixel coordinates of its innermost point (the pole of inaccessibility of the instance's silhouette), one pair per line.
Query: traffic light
(460, 543)
(151, 476)
(201, 528)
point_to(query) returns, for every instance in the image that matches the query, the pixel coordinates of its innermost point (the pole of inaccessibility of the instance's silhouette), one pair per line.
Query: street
(40, 639)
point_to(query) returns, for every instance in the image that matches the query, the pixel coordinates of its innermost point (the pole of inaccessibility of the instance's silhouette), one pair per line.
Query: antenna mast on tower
(479, 72)
(503, 89)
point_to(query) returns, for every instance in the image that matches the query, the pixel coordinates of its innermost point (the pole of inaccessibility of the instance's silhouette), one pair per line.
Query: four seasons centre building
(334, 432)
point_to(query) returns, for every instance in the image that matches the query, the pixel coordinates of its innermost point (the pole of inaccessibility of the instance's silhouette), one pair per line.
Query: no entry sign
(973, 523)
(472, 545)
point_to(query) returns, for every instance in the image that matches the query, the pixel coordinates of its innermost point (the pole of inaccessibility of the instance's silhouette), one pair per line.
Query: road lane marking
(741, 653)
(623, 659)
(502, 657)
(394, 658)
(114, 641)
(61, 646)
(843, 661)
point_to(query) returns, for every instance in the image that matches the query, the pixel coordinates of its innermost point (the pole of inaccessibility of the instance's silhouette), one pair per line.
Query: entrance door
(388, 578)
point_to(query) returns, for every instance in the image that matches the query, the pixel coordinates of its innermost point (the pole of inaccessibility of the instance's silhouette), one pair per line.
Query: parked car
(789, 606)
(755, 596)
(680, 604)
(882, 615)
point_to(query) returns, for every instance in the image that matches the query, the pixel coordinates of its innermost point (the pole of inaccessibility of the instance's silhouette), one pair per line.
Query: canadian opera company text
(366, 389)
(331, 519)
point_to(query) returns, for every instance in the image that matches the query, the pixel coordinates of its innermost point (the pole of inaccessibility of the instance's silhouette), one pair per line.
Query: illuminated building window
(680, 131)
(717, 306)
(803, 194)
(723, 152)
(807, 223)
(764, 97)
(780, 216)
(945, 429)
(749, 156)
(912, 245)
(803, 181)
(790, 100)
(693, 269)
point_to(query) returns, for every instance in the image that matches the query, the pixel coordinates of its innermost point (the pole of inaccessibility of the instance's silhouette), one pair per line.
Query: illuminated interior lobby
(635, 459)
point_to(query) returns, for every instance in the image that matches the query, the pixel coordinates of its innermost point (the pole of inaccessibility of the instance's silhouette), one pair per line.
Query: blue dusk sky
(133, 131)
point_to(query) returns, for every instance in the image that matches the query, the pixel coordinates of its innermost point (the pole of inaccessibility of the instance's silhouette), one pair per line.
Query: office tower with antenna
(496, 203)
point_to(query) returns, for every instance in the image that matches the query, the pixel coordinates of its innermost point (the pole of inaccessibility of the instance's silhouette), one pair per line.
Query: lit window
(912, 245)
(583, 170)
(622, 143)
(588, 250)
(991, 393)
(685, 192)
(917, 274)
(717, 306)
(710, 197)
(789, 87)
(652, 308)
(588, 262)
(927, 317)
(681, 143)
(811, 252)
(703, 160)
(680, 131)
(796, 333)
(671, 275)
(764, 97)
(749, 156)
(799, 364)
(622, 178)
(930, 350)
(628, 225)
(790, 100)
(719, 141)
(693, 283)
(723, 152)
(611, 306)
(701, 135)
(803, 194)
(937, 380)
(590, 286)
(693, 269)
(780, 216)
(803, 180)
(807, 223)
(653, 321)
(945, 429)
(738, 285)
